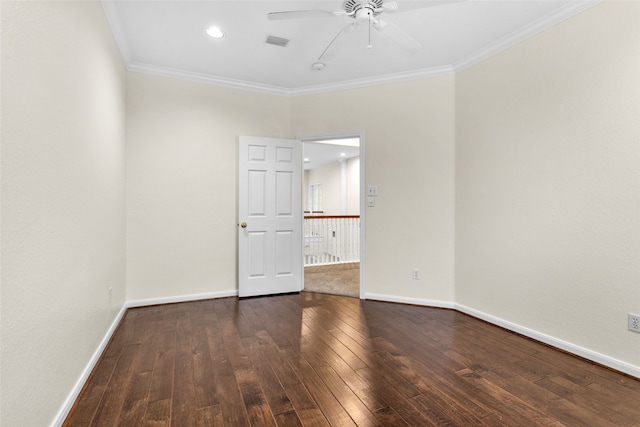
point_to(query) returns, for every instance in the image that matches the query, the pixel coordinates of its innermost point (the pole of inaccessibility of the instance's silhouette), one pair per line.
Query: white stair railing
(331, 239)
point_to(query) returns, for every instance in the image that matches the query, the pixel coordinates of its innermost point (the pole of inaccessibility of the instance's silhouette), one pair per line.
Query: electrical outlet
(416, 274)
(110, 294)
(634, 322)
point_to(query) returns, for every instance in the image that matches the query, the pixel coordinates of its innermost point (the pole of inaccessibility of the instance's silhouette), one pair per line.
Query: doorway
(333, 205)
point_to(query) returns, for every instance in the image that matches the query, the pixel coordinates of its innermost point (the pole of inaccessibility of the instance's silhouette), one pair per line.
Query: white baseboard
(607, 361)
(407, 300)
(77, 388)
(182, 298)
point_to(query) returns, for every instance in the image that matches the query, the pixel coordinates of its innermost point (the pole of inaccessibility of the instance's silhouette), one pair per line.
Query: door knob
(243, 224)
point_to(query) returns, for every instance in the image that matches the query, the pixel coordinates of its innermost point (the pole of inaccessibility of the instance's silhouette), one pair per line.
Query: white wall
(353, 186)
(182, 143)
(181, 172)
(330, 178)
(63, 222)
(410, 156)
(547, 184)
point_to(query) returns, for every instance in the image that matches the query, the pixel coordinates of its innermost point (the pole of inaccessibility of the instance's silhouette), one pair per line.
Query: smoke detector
(318, 66)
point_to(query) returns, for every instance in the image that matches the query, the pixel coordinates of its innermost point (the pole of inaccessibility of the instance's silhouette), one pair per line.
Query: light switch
(372, 190)
(371, 202)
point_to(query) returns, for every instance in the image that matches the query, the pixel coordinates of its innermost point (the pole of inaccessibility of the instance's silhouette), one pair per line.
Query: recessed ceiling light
(343, 154)
(306, 160)
(215, 32)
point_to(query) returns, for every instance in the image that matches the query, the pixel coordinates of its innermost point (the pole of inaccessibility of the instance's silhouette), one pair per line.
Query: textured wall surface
(410, 156)
(63, 219)
(547, 184)
(182, 167)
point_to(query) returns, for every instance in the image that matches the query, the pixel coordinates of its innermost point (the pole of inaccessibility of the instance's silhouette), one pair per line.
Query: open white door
(270, 216)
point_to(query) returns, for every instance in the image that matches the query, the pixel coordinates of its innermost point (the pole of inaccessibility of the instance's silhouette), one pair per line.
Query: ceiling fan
(361, 11)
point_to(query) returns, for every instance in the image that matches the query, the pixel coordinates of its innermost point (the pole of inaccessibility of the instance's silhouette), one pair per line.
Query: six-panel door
(270, 216)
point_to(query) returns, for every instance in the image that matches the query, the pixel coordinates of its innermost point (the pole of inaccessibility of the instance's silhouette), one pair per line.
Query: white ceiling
(168, 38)
(322, 153)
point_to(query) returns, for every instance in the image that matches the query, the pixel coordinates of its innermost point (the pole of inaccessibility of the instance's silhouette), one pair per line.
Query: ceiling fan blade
(390, 6)
(330, 51)
(413, 5)
(296, 14)
(397, 35)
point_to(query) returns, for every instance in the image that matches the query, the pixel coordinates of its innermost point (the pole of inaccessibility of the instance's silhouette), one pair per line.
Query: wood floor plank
(288, 419)
(158, 413)
(395, 394)
(82, 415)
(183, 405)
(506, 404)
(161, 387)
(326, 401)
(318, 360)
(347, 398)
(389, 417)
(305, 406)
(227, 390)
(209, 417)
(273, 389)
(205, 389)
(582, 408)
(321, 356)
(110, 406)
(317, 333)
(254, 401)
(446, 398)
(134, 406)
(279, 362)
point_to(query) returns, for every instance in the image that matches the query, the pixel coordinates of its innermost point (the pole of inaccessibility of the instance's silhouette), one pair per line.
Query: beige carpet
(337, 279)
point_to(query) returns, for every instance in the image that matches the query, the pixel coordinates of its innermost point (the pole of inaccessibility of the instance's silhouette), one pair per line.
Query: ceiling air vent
(277, 41)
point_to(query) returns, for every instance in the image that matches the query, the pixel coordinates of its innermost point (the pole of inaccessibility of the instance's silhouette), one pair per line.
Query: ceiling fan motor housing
(353, 6)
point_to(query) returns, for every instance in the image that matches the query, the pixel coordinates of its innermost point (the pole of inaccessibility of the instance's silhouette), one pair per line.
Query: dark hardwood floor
(317, 360)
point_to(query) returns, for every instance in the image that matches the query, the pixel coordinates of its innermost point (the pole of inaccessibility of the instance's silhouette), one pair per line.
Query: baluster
(343, 235)
(321, 247)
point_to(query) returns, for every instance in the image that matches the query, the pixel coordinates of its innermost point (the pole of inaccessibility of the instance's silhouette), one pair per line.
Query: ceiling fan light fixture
(360, 12)
(215, 32)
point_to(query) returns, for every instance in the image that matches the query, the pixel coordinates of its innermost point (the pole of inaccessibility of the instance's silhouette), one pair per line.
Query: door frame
(363, 195)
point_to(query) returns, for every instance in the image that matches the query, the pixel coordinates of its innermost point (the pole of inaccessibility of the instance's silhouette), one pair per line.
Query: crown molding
(551, 19)
(541, 24)
(373, 81)
(275, 90)
(206, 78)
